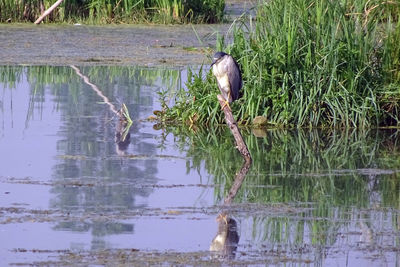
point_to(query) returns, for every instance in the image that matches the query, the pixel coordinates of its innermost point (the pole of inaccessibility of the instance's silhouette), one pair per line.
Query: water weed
(308, 64)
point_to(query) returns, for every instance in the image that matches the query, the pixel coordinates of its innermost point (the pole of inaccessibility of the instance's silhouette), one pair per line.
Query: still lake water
(71, 195)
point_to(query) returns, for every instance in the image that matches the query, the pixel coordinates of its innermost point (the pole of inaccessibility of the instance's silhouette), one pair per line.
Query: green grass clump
(309, 64)
(115, 11)
(177, 11)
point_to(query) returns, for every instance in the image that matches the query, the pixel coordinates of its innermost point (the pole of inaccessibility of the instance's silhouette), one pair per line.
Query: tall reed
(115, 11)
(309, 63)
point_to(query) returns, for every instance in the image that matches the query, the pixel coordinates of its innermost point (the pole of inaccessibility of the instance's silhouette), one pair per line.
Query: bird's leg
(223, 217)
(227, 102)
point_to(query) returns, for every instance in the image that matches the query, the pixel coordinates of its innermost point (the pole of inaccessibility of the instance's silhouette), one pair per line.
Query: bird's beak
(214, 61)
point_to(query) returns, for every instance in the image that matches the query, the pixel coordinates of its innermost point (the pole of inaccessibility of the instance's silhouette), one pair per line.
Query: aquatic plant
(308, 64)
(115, 11)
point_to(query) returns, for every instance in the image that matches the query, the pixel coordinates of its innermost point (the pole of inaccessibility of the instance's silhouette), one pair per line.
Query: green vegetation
(305, 166)
(327, 173)
(115, 11)
(308, 63)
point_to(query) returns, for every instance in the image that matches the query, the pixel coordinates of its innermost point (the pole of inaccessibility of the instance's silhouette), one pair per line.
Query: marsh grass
(308, 64)
(115, 11)
(125, 114)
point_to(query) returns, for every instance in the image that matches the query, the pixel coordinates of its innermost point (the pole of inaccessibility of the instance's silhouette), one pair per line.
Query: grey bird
(229, 79)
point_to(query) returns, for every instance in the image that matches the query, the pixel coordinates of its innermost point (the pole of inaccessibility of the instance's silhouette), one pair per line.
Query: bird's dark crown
(218, 56)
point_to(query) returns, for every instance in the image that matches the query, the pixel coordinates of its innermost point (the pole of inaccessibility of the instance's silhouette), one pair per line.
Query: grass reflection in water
(305, 184)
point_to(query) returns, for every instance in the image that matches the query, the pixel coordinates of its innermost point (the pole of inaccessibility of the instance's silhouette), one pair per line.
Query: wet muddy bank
(122, 45)
(83, 45)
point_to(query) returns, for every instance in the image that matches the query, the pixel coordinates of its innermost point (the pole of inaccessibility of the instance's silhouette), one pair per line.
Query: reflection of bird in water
(122, 137)
(227, 71)
(122, 142)
(367, 235)
(227, 238)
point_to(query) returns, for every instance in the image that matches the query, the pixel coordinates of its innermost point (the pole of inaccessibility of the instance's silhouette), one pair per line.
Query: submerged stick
(96, 89)
(122, 135)
(237, 183)
(123, 113)
(48, 11)
(240, 144)
(226, 240)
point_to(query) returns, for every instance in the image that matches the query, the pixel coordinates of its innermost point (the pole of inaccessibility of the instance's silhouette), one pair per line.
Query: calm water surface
(69, 193)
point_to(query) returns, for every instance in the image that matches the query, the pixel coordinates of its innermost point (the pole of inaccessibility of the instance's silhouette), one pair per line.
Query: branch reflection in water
(227, 238)
(226, 241)
(346, 177)
(122, 135)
